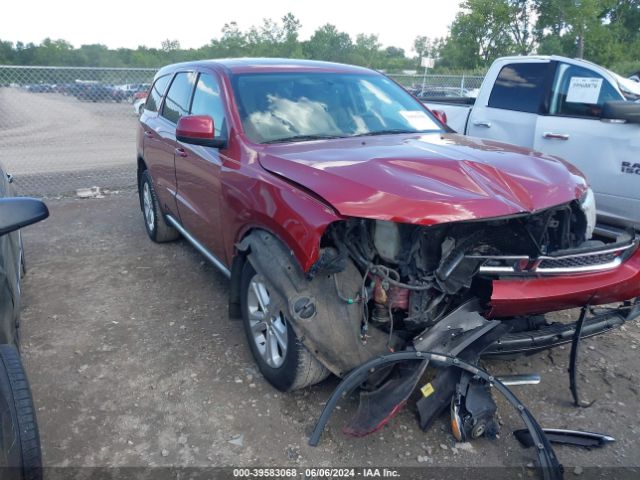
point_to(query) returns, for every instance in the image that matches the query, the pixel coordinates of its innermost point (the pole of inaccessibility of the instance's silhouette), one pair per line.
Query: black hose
(549, 465)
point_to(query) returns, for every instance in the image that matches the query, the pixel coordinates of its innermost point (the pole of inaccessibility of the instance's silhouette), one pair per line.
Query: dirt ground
(133, 361)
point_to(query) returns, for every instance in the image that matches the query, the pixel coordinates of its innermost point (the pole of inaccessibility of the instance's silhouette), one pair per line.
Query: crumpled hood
(425, 179)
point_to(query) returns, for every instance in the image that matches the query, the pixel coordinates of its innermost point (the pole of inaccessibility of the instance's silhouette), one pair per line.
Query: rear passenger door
(157, 154)
(198, 170)
(508, 113)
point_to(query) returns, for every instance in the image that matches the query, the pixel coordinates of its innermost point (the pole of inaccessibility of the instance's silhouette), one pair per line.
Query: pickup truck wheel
(19, 438)
(157, 228)
(281, 357)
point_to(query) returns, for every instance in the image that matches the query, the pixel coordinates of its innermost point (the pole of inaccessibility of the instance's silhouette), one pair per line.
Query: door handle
(482, 123)
(556, 136)
(181, 152)
(148, 133)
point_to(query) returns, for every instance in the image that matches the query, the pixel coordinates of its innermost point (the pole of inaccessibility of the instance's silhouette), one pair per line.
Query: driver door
(574, 131)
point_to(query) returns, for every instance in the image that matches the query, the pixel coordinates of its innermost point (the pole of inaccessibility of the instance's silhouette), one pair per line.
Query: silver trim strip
(198, 246)
(615, 263)
(535, 269)
(522, 379)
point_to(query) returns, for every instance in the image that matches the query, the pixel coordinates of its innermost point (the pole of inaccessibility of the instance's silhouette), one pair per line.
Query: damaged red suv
(351, 222)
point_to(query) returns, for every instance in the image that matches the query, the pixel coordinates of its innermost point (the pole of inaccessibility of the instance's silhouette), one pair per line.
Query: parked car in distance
(20, 455)
(349, 220)
(430, 91)
(569, 108)
(39, 88)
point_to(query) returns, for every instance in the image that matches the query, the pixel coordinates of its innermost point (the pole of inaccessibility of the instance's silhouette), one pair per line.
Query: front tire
(157, 228)
(281, 357)
(19, 437)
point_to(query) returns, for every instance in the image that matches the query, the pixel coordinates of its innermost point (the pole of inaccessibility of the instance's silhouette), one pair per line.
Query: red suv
(351, 221)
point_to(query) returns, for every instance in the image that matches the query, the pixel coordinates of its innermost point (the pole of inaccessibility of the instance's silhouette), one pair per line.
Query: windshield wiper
(390, 131)
(302, 138)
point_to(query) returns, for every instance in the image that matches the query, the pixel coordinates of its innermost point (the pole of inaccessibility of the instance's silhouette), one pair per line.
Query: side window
(580, 92)
(207, 101)
(520, 87)
(156, 92)
(176, 103)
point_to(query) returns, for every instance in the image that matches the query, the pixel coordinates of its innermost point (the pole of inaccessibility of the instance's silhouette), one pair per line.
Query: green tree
(366, 51)
(233, 42)
(479, 34)
(327, 43)
(569, 24)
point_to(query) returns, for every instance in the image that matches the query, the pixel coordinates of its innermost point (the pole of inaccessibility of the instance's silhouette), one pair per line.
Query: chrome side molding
(198, 246)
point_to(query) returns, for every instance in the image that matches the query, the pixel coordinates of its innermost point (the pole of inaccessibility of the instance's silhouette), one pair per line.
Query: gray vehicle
(20, 454)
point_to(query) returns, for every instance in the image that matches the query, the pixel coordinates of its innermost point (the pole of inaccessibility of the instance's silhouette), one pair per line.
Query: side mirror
(18, 212)
(440, 115)
(198, 130)
(621, 110)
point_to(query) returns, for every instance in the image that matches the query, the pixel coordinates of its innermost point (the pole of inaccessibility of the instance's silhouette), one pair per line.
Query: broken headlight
(588, 206)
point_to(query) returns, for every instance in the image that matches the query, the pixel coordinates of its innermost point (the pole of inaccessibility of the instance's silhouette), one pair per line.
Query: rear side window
(207, 101)
(520, 87)
(176, 103)
(580, 92)
(156, 92)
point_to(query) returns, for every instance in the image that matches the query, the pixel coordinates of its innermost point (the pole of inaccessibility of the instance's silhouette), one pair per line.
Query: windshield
(280, 107)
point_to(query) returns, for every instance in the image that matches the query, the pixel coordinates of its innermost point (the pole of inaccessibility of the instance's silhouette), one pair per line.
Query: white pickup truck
(570, 108)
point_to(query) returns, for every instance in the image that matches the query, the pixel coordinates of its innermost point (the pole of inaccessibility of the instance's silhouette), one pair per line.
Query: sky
(121, 23)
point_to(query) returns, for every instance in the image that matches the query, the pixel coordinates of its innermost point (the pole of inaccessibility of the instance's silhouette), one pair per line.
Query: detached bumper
(525, 296)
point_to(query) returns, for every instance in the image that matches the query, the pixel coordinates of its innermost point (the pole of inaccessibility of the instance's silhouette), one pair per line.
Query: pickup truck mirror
(18, 212)
(198, 130)
(621, 110)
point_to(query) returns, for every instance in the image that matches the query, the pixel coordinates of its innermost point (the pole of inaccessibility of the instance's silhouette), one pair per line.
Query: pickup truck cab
(569, 108)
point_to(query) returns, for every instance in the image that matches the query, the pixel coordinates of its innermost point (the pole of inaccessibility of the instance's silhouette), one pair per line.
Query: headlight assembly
(588, 206)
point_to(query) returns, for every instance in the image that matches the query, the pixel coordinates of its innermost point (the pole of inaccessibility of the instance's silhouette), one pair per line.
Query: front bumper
(514, 296)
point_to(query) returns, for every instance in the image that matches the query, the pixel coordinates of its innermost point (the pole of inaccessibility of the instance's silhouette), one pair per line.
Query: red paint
(540, 295)
(296, 190)
(440, 115)
(195, 126)
(423, 179)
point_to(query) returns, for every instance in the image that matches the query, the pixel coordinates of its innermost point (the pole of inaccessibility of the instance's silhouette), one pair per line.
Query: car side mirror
(622, 110)
(440, 115)
(198, 130)
(18, 212)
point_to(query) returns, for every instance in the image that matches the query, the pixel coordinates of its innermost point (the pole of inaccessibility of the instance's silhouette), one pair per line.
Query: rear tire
(281, 357)
(23, 455)
(157, 228)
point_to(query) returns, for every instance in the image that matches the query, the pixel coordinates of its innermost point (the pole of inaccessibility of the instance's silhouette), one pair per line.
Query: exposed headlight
(588, 206)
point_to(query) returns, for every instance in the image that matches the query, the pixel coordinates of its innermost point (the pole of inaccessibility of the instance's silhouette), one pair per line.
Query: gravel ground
(133, 361)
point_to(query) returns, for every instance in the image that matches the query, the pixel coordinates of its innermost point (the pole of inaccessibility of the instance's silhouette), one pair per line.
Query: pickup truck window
(207, 101)
(580, 92)
(156, 92)
(520, 87)
(176, 103)
(304, 106)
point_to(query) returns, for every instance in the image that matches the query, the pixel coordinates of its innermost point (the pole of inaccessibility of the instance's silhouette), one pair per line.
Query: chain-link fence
(65, 128)
(426, 86)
